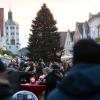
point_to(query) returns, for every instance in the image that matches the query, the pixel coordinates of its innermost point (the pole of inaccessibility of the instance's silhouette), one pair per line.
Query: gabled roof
(94, 16)
(80, 27)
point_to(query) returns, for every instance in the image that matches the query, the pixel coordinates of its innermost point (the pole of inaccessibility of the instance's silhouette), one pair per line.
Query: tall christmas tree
(44, 41)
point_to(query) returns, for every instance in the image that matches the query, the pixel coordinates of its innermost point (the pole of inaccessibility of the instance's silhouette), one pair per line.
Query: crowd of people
(75, 80)
(28, 71)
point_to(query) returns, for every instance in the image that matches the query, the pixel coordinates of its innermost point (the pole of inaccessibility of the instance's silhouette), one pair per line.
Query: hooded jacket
(82, 82)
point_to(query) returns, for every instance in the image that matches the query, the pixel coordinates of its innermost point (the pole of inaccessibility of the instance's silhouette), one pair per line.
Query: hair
(54, 66)
(86, 51)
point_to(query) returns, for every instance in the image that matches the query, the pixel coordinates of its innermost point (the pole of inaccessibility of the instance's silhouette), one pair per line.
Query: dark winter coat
(81, 83)
(52, 79)
(5, 92)
(18, 77)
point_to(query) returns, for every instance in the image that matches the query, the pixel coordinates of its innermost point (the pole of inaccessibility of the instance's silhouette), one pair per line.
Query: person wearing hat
(82, 81)
(5, 90)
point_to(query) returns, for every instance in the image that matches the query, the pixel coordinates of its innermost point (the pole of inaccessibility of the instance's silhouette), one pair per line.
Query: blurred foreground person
(82, 81)
(5, 90)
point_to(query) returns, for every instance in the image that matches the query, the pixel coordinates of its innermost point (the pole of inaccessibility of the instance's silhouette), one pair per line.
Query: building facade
(1, 22)
(2, 30)
(12, 34)
(94, 24)
(88, 29)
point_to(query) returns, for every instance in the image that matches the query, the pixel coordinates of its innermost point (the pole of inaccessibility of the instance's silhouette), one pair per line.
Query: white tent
(66, 57)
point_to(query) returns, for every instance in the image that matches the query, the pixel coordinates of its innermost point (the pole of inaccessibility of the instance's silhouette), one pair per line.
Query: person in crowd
(42, 77)
(39, 70)
(5, 90)
(27, 66)
(52, 79)
(82, 81)
(32, 79)
(21, 63)
(16, 78)
(66, 66)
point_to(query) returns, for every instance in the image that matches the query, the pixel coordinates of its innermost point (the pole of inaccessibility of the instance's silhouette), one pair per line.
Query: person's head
(86, 51)
(46, 70)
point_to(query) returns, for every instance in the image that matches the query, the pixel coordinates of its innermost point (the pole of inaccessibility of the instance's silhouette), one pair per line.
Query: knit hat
(86, 51)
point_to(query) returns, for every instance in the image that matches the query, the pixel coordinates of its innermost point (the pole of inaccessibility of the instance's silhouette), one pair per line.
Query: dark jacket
(82, 82)
(5, 92)
(18, 77)
(51, 80)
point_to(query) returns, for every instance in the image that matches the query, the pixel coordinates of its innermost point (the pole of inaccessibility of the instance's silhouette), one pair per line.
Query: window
(10, 47)
(16, 27)
(12, 27)
(6, 27)
(17, 43)
(16, 46)
(17, 33)
(7, 40)
(12, 41)
(6, 33)
(12, 33)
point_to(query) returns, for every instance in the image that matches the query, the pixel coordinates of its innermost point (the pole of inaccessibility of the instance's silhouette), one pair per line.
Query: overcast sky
(65, 12)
